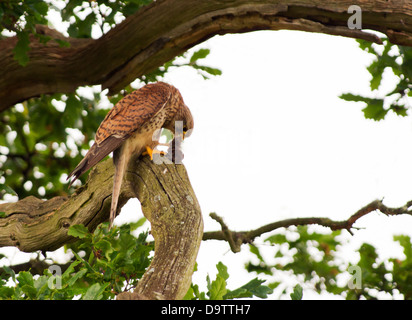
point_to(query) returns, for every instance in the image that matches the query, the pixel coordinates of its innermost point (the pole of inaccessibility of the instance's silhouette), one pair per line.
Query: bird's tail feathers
(90, 159)
(120, 167)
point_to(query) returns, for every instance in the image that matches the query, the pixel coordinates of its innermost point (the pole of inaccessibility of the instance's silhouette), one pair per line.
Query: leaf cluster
(387, 57)
(39, 145)
(104, 14)
(21, 18)
(217, 289)
(315, 260)
(106, 262)
(186, 59)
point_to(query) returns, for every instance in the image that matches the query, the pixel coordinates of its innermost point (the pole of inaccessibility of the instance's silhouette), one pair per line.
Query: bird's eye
(185, 129)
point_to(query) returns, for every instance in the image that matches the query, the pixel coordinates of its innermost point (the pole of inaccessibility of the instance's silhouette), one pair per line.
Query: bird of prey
(129, 128)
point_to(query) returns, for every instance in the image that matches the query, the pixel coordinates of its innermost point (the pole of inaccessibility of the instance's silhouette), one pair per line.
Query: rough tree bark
(168, 202)
(166, 28)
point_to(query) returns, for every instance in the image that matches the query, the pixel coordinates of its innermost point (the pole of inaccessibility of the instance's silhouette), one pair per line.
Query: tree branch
(237, 238)
(168, 202)
(166, 28)
(32, 224)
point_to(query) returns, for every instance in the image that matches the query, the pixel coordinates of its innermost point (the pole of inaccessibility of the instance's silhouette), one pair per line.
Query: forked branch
(237, 238)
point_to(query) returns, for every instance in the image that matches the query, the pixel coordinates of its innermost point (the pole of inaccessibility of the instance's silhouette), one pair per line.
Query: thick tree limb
(168, 202)
(32, 224)
(237, 238)
(166, 28)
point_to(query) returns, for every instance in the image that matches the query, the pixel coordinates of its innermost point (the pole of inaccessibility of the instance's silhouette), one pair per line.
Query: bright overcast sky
(272, 140)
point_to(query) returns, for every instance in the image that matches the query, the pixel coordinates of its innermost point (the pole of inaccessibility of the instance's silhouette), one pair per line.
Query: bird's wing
(131, 113)
(127, 116)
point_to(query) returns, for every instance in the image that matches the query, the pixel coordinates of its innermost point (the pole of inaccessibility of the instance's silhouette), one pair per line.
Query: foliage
(108, 262)
(388, 57)
(43, 139)
(38, 146)
(316, 261)
(21, 17)
(105, 263)
(217, 289)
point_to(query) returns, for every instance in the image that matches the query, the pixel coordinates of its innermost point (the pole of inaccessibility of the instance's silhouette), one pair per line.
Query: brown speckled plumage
(129, 126)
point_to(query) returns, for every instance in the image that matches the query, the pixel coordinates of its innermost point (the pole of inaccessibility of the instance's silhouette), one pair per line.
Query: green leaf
(277, 239)
(25, 277)
(126, 241)
(10, 272)
(7, 292)
(41, 7)
(222, 270)
(400, 110)
(250, 289)
(190, 294)
(95, 292)
(41, 285)
(7, 189)
(210, 70)
(200, 54)
(30, 291)
(70, 269)
(73, 111)
(106, 247)
(78, 231)
(405, 242)
(63, 43)
(217, 288)
(26, 284)
(22, 47)
(375, 110)
(352, 97)
(297, 293)
(137, 224)
(82, 28)
(255, 250)
(75, 277)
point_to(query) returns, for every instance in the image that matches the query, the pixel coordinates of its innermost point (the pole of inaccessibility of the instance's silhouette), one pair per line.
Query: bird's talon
(149, 151)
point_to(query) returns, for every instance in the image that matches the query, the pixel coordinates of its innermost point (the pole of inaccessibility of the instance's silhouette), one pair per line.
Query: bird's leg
(149, 151)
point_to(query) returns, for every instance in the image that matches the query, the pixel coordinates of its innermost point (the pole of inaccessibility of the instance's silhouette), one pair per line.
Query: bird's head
(188, 122)
(182, 124)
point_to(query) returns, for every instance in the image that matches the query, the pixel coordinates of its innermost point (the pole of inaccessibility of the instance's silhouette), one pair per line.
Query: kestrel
(129, 129)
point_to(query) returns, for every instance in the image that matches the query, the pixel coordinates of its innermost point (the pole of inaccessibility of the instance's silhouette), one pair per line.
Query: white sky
(272, 140)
